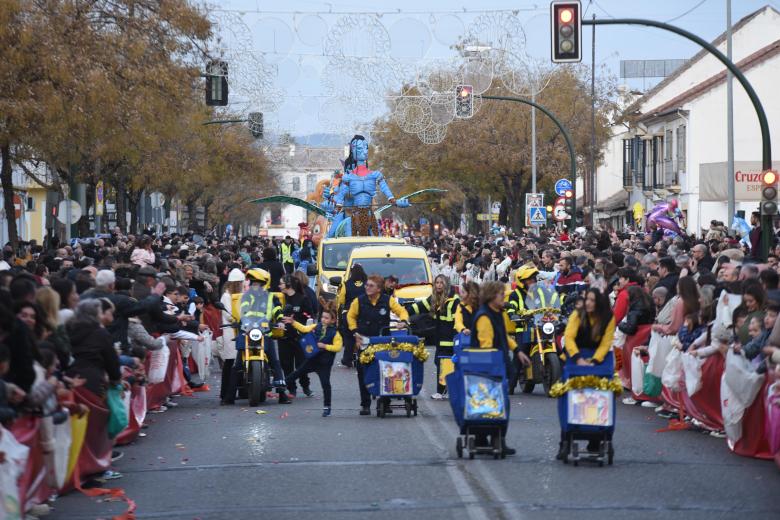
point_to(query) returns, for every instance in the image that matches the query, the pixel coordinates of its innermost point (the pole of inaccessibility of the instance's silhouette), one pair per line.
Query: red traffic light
(769, 177)
(568, 194)
(566, 15)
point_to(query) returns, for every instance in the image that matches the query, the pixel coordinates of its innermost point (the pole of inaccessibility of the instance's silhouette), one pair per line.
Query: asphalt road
(203, 461)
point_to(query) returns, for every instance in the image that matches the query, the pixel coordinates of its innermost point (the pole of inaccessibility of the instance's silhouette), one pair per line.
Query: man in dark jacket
(271, 264)
(703, 259)
(667, 269)
(755, 234)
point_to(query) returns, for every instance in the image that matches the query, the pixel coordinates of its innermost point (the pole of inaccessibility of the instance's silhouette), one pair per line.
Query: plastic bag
(62, 443)
(637, 372)
(773, 417)
(738, 388)
(78, 431)
(673, 371)
(158, 365)
(692, 370)
(201, 354)
(11, 469)
(660, 346)
(651, 385)
(118, 408)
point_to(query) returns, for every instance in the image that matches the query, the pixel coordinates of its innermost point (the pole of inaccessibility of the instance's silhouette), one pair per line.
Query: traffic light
(464, 102)
(769, 193)
(255, 121)
(566, 31)
(217, 83)
(568, 202)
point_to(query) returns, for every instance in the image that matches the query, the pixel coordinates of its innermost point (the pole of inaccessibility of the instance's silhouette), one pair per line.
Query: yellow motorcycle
(546, 332)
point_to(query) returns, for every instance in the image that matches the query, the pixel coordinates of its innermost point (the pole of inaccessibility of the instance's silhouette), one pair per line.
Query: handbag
(117, 411)
(308, 343)
(651, 385)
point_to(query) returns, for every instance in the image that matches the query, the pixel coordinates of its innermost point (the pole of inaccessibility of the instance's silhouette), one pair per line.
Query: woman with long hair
(95, 358)
(49, 301)
(69, 298)
(469, 303)
(590, 330)
(753, 299)
(685, 303)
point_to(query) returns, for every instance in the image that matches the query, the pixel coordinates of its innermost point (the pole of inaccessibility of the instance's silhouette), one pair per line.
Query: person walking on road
(349, 291)
(368, 314)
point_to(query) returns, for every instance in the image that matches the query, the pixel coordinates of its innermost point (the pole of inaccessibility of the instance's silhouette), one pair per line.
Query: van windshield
(409, 271)
(336, 256)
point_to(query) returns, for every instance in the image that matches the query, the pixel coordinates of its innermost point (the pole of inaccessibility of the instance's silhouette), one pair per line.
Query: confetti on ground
(261, 412)
(284, 415)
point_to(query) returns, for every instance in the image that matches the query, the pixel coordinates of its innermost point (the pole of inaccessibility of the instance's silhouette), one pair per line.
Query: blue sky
(298, 76)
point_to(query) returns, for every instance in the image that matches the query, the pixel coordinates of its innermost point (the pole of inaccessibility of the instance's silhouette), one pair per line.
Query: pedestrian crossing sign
(538, 216)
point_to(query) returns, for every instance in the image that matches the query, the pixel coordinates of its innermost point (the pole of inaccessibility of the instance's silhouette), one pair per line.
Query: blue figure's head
(358, 148)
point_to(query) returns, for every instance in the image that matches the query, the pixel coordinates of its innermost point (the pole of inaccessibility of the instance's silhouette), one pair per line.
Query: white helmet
(236, 275)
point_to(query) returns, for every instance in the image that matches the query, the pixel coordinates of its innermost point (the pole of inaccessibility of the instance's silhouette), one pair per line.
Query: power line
(689, 11)
(383, 13)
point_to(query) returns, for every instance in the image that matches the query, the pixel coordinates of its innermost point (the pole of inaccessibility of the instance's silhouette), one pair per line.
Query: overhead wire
(689, 11)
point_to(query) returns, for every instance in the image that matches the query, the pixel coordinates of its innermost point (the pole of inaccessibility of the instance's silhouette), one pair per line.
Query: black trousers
(348, 354)
(365, 397)
(291, 357)
(321, 365)
(289, 267)
(227, 390)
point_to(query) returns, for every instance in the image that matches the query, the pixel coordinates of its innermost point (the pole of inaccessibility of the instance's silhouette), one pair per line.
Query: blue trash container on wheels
(479, 397)
(394, 375)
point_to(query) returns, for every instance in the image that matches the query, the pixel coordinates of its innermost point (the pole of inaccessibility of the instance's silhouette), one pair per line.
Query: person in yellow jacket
(369, 315)
(468, 305)
(590, 330)
(492, 325)
(329, 342)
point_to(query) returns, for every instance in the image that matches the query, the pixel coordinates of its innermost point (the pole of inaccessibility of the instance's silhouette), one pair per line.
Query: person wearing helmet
(525, 280)
(226, 344)
(259, 291)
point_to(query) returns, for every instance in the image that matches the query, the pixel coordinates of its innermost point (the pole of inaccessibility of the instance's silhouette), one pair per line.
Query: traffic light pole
(766, 156)
(566, 136)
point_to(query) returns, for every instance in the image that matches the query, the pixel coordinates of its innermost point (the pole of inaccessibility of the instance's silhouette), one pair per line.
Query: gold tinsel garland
(418, 351)
(579, 382)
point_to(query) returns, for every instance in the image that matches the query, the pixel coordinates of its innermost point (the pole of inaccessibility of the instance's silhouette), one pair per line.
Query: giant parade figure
(345, 206)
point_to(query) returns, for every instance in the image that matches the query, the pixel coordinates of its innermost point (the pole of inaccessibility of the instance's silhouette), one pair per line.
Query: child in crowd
(329, 343)
(753, 348)
(690, 331)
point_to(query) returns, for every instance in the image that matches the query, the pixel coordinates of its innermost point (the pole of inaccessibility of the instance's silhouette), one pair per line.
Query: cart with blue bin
(586, 411)
(394, 375)
(479, 397)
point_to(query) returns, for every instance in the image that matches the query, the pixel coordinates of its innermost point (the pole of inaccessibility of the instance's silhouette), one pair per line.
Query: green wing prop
(308, 206)
(379, 210)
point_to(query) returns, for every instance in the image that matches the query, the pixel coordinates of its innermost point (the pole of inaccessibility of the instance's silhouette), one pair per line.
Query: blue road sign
(538, 216)
(562, 186)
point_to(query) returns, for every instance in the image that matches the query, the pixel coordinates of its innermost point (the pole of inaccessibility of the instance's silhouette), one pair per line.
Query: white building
(299, 169)
(676, 143)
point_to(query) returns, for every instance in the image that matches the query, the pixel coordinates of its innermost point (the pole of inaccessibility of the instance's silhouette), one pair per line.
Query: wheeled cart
(394, 376)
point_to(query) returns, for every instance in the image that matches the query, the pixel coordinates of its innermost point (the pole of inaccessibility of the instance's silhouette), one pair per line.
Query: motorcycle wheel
(552, 371)
(257, 383)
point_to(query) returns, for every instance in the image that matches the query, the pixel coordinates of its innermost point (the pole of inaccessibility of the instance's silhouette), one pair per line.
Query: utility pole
(592, 191)
(729, 121)
(533, 144)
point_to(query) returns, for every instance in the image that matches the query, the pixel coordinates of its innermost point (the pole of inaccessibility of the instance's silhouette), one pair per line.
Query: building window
(668, 147)
(681, 148)
(296, 184)
(311, 182)
(628, 149)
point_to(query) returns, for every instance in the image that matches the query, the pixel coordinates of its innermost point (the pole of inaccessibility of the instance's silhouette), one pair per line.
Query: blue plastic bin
(588, 411)
(403, 373)
(478, 390)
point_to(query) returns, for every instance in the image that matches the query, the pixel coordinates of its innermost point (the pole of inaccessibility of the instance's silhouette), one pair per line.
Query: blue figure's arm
(341, 191)
(380, 179)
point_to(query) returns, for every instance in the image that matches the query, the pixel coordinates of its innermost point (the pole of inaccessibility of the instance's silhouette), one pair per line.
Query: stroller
(587, 414)
(479, 396)
(394, 374)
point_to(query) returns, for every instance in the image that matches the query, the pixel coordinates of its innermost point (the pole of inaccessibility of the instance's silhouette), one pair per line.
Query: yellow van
(407, 263)
(333, 257)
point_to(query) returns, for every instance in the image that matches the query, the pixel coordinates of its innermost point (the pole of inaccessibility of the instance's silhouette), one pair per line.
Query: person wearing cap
(391, 282)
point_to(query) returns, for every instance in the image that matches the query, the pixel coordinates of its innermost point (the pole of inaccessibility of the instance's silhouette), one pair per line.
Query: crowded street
(404, 259)
(200, 460)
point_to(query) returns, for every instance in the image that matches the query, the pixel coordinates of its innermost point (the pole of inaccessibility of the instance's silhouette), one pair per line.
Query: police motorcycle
(546, 327)
(255, 336)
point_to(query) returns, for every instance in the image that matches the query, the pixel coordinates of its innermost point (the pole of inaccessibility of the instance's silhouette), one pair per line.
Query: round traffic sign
(562, 186)
(75, 211)
(560, 201)
(559, 213)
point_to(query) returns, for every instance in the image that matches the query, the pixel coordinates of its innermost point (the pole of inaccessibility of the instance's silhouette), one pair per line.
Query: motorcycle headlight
(548, 328)
(255, 334)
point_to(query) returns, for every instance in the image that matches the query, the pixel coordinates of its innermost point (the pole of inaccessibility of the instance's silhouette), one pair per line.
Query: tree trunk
(192, 216)
(133, 201)
(121, 205)
(7, 178)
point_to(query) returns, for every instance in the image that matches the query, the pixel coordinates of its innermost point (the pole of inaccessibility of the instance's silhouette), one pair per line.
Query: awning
(618, 201)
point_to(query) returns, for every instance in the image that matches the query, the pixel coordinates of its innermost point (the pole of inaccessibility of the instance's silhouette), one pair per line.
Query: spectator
(667, 270)
(94, 356)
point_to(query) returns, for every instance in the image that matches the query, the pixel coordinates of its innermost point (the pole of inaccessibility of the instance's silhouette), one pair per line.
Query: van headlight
(255, 334)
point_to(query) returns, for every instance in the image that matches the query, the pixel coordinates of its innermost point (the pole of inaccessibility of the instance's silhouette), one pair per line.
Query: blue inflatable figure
(356, 193)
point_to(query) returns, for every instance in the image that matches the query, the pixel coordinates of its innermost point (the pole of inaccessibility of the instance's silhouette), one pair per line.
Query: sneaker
(116, 455)
(647, 404)
(659, 408)
(109, 475)
(171, 404)
(308, 393)
(718, 435)
(365, 410)
(39, 510)
(326, 411)
(437, 396)
(665, 414)
(629, 401)
(161, 409)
